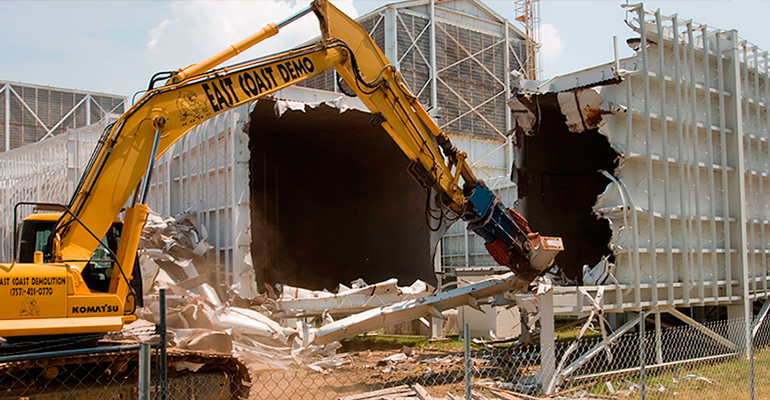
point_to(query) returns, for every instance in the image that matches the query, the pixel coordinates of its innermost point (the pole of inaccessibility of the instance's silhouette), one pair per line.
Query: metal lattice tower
(528, 13)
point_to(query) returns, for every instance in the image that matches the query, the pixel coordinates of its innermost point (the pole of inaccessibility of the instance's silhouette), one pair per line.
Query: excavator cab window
(96, 274)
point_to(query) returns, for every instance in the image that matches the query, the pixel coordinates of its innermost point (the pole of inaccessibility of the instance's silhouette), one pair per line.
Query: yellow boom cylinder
(267, 31)
(196, 69)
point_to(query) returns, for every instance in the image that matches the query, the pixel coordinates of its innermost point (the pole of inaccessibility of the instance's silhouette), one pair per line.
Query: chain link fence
(103, 373)
(708, 361)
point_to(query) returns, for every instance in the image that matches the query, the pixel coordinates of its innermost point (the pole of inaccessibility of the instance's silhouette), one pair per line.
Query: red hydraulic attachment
(497, 248)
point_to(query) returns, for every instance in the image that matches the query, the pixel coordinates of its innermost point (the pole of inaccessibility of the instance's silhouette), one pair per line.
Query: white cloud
(202, 28)
(155, 34)
(550, 40)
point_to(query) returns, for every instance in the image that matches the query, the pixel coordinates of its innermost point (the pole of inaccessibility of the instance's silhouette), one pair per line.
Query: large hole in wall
(559, 184)
(332, 201)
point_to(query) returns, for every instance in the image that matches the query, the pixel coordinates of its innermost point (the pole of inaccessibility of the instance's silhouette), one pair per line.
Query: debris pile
(204, 317)
(268, 332)
(360, 296)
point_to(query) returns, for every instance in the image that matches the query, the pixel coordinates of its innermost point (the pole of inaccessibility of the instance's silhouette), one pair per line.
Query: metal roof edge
(49, 87)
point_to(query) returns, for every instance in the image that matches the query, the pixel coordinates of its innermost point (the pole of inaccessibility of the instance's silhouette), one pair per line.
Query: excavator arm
(377, 83)
(123, 161)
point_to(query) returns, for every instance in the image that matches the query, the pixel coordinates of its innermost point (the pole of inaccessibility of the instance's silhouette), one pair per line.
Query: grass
(731, 380)
(569, 335)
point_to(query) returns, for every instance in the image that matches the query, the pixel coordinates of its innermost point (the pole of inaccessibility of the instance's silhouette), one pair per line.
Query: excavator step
(61, 326)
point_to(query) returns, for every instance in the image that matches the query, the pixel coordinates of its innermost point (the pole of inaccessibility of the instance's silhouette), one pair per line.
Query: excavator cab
(35, 236)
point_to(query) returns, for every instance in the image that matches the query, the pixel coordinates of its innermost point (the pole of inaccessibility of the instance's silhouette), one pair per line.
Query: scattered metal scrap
(409, 310)
(295, 302)
(405, 392)
(204, 317)
(412, 392)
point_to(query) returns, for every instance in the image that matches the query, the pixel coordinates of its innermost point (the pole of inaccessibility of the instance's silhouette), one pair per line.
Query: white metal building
(681, 133)
(46, 137)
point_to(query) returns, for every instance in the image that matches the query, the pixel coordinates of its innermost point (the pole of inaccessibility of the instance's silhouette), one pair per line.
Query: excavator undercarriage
(113, 374)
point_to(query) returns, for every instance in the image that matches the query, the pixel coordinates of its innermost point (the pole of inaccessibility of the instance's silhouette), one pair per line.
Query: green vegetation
(571, 334)
(730, 380)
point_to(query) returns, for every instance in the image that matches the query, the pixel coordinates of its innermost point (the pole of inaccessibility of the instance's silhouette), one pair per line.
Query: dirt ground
(437, 367)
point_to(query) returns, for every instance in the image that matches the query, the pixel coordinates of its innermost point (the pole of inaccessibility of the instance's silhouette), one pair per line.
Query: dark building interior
(332, 201)
(558, 177)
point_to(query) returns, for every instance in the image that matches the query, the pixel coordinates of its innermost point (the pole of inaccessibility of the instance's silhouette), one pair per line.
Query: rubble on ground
(202, 316)
(267, 332)
(433, 305)
(297, 302)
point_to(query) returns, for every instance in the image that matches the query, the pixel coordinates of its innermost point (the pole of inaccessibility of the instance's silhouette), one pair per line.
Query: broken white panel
(490, 321)
(249, 322)
(409, 310)
(295, 302)
(581, 108)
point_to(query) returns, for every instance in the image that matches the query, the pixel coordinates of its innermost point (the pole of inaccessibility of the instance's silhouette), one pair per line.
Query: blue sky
(115, 46)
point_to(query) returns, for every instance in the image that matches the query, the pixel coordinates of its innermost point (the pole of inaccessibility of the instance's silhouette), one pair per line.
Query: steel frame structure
(53, 115)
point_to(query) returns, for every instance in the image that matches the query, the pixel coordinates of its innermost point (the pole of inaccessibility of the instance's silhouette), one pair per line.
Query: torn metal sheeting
(409, 310)
(198, 318)
(559, 155)
(298, 302)
(251, 323)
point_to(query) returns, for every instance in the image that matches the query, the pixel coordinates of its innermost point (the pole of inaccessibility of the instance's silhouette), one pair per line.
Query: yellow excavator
(59, 283)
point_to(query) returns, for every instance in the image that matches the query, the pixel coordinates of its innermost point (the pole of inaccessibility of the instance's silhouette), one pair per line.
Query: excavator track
(114, 375)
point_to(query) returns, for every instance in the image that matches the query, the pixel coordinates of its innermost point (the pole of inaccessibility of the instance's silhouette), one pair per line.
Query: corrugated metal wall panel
(688, 202)
(46, 171)
(205, 177)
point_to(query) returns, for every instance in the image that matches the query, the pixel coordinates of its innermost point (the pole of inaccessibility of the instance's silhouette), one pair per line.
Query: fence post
(547, 344)
(641, 354)
(467, 343)
(750, 349)
(163, 364)
(144, 371)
